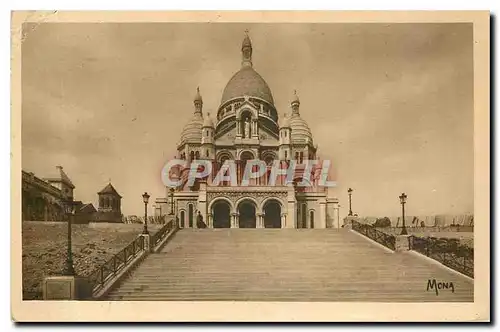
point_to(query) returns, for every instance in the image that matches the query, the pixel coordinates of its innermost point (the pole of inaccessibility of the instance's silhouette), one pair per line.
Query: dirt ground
(45, 247)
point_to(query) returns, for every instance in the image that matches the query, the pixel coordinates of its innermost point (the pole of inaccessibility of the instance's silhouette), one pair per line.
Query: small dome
(247, 82)
(197, 97)
(284, 121)
(300, 129)
(208, 121)
(191, 132)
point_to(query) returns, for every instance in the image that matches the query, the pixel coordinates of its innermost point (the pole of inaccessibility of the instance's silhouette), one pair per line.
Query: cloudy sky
(390, 104)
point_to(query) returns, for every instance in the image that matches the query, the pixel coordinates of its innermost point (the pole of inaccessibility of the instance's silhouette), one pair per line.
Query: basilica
(247, 127)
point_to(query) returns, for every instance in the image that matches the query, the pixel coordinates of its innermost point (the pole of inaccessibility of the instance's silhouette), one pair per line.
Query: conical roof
(109, 189)
(60, 176)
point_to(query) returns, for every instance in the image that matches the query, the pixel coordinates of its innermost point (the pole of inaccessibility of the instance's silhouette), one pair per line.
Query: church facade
(247, 127)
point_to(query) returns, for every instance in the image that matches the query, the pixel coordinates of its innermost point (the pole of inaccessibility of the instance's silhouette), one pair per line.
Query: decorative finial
(198, 101)
(246, 50)
(295, 102)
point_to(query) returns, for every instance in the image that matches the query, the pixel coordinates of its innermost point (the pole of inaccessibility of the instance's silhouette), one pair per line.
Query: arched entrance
(183, 219)
(221, 214)
(190, 215)
(247, 216)
(272, 214)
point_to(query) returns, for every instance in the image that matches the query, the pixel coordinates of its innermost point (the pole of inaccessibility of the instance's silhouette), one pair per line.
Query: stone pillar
(291, 209)
(283, 220)
(255, 131)
(238, 128)
(260, 220)
(202, 203)
(210, 222)
(321, 221)
(235, 221)
(66, 288)
(402, 243)
(147, 242)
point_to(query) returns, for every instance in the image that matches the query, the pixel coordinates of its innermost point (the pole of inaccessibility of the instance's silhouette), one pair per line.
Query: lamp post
(402, 199)
(69, 269)
(145, 198)
(171, 201)
(338, 216)
(349, 191)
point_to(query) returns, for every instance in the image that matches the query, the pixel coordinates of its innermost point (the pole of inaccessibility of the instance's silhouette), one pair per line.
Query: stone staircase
(285, 265)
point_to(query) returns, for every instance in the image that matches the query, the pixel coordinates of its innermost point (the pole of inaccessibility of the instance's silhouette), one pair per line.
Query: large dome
(247, 82)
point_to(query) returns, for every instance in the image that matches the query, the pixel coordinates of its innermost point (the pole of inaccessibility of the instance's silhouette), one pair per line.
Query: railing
(386, 240)
(449, 252)
(162, 233)
(118, 262)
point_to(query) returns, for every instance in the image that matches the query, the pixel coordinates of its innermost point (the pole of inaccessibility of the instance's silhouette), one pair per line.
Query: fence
(430, 229)
(108, 270)
(449, 252)
(140, 219)
(386, 240)
(162, 233)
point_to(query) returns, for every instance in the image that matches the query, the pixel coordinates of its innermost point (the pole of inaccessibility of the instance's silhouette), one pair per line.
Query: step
(284, 265)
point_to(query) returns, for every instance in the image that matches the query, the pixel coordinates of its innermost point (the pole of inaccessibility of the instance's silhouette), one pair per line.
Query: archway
(247, 218)
(221, 214)
(302, 215)
(183, 219)
(272, 214)
(190, 215)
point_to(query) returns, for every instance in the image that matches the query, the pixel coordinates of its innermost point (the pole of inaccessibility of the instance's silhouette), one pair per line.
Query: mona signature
(437, 286)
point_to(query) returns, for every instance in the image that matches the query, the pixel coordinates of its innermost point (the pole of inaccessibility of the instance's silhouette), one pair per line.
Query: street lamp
(145, 198)
(402, 199)
(349, 191)
(338, 216)
(68, 209)
(171, 201)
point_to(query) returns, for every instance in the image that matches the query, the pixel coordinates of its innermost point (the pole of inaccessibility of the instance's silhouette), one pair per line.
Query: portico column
(238, 128)
(209, 221)
(260, 220)
(283, 220)
(235, 222)
(255, 134)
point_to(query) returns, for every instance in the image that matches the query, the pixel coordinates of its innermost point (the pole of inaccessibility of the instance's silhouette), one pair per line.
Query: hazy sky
(390, 104)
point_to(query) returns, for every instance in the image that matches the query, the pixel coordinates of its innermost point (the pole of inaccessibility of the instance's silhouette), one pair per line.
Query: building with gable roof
(109, 208)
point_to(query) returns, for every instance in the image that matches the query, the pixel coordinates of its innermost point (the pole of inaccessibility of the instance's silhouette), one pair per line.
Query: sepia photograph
(184, 165)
